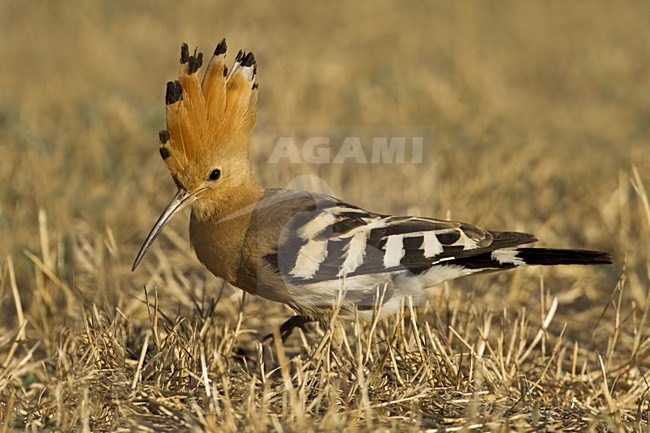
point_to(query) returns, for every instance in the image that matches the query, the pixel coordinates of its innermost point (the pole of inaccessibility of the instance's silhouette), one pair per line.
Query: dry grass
(541, 116)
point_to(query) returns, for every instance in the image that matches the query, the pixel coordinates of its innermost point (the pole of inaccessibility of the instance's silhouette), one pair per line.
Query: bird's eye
(215, 174)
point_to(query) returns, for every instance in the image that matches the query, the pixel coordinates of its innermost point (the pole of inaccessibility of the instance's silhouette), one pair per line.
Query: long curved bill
(180, 201)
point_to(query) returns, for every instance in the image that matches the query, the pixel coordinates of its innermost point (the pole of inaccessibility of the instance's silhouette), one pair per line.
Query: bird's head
(209, 123)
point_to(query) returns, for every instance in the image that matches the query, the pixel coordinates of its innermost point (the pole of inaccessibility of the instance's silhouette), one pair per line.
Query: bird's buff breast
(218, 243)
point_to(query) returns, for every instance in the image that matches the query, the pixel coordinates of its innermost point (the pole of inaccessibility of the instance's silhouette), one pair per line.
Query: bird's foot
(286, 329)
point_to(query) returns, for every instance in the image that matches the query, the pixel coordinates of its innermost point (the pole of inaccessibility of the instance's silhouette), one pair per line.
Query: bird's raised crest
(216, 113)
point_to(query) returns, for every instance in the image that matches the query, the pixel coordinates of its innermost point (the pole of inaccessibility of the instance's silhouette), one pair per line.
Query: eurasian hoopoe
(307, 250)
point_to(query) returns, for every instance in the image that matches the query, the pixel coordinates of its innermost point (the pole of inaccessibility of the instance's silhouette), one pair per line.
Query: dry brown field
(537, 117)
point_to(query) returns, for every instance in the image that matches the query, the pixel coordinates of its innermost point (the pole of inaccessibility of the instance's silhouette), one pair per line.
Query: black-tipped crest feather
(221, 48)
(164, 152)
(194, 63)
(185, 53)
(248, 60)
(174, 92)
(163, 136)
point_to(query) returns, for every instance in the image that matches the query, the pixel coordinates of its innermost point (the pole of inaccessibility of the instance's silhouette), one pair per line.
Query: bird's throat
(217, 230)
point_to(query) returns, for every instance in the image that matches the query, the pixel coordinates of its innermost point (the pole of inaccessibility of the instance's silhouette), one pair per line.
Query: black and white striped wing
(335, 240)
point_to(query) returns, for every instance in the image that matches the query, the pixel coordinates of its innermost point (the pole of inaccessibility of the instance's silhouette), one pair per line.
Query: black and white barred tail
(507, 258)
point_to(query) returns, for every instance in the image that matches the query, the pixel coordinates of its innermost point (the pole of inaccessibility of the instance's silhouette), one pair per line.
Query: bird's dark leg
(288, 326)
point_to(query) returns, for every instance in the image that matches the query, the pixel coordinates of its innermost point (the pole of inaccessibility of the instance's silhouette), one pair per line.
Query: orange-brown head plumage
(209, 122)
(205, 145)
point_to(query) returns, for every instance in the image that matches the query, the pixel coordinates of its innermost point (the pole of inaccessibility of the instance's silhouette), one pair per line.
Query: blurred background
(538, 112)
